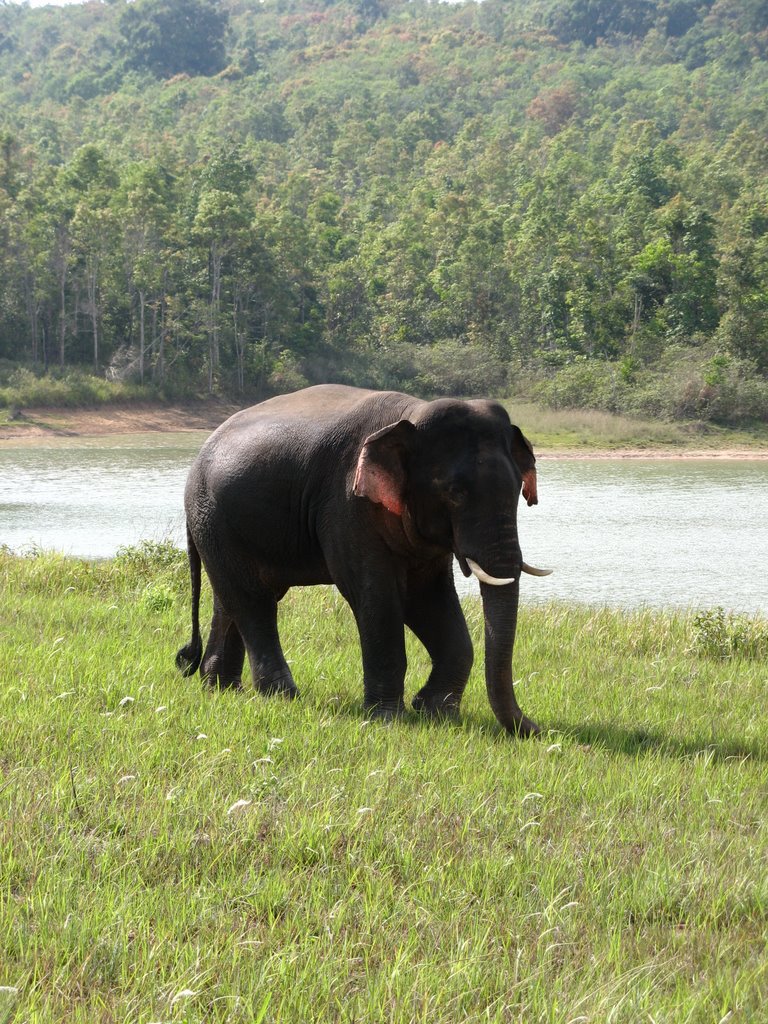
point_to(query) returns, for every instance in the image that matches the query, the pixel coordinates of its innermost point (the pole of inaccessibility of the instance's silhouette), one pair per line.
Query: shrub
(447, 368)
(156, 597)
(690, 384)
(717, 634)
(687, 383)
(591, 384)
(71, 389)
(153, 564)
(286, 374)
(451, 368)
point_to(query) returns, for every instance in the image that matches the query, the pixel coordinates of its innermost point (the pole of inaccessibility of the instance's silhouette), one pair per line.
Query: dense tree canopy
(554, 194)
(171, 37)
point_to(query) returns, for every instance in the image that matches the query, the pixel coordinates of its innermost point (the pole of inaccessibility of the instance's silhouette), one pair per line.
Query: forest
(566, 199)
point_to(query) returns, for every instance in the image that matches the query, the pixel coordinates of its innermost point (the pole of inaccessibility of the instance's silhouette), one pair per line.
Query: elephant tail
(189, 657)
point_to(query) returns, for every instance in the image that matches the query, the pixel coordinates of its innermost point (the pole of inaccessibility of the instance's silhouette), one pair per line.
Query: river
(617, 532)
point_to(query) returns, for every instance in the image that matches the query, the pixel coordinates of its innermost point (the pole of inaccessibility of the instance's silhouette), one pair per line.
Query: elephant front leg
(222, 664)
(382, 641)
(434, 615)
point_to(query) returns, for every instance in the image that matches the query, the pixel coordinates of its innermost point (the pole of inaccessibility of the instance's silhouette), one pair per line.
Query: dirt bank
(136, 418)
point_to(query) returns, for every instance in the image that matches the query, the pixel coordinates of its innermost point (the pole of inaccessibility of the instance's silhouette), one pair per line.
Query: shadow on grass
(630, 741)
(619, 739)
(609, 736)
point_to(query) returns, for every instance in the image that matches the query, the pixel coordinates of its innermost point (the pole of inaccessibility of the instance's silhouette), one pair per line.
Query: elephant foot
(215, 675)
(217, 683)
(280, 686)
(439, 706)
(385, 711)
(523, 727)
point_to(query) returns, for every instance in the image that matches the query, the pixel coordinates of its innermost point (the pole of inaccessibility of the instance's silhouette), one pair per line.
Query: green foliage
(448, 198)
(172, 37)
(23, 388)
(718, 634)
(157, 597)
(156, 568)
(685, 384)
(447, 368)
(588, 21)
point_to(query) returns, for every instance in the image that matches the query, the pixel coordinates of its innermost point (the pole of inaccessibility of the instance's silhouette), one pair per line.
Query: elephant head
(453, 474)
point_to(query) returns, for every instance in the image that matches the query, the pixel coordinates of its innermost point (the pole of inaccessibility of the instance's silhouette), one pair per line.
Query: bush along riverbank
(169, 853)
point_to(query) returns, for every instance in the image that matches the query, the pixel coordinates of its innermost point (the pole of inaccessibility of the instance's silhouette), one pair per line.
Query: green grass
(173, 855)
(589, 430)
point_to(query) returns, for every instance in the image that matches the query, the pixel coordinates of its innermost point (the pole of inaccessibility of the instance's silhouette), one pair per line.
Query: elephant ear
(522, 453)
(381, 466)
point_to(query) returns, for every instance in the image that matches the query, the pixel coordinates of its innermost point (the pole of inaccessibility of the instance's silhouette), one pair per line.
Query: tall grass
(589, 429)
(173, 855)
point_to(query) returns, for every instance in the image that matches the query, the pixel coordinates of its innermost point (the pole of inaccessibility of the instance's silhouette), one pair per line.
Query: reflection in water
(617, 532)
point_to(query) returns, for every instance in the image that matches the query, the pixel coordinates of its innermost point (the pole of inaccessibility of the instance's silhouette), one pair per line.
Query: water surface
(621, 532)
(91, 496)
(676, 532)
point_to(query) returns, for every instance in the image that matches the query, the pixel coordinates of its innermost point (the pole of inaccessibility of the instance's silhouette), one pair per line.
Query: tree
(89, 181)
(743, 278)
(144, 204)
(171, 37)
(588, 21)
(218, 223)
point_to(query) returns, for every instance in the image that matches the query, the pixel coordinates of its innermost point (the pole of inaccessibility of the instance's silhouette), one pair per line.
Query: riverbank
(565, 434)
(128, 418)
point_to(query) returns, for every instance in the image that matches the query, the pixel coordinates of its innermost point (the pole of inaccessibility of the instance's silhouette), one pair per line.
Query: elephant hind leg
(222, 663)
(257, 623)
(434, 615)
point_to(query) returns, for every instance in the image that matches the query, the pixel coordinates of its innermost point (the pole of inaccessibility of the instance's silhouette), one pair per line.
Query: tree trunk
(142, 306)
(213, 360)
(93, 287)
(32, 312)
(158, 371)
(62, 316)
(237, 305)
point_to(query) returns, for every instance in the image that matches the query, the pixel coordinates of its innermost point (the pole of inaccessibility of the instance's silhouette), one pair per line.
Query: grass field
(173, 855)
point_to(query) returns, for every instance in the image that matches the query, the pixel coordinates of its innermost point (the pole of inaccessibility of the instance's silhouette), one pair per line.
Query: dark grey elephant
(375, 492)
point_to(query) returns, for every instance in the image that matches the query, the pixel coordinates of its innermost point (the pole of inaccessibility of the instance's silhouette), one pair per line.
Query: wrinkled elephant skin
(374, 492)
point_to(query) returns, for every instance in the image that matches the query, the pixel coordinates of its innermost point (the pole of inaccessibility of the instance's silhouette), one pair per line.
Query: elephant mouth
(469, 567)
(463, 565)
(484, 577)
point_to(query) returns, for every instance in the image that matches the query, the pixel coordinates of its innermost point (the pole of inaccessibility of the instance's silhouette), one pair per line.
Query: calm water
(617, 532)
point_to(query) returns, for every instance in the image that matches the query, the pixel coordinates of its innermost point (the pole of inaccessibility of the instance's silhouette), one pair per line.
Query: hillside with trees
(563, 198)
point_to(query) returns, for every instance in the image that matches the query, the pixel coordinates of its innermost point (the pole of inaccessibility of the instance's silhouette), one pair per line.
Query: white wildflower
(184, 994)
(239, 805)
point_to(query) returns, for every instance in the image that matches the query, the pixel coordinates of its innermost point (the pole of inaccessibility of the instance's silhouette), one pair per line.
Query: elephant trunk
(500, 613)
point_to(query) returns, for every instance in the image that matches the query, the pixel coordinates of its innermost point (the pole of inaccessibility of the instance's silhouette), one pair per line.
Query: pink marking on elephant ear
(380, 475)
(530, 492)
(372, 481)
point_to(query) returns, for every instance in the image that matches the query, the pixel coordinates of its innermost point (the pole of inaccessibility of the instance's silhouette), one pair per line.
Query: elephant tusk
(533, 571)
(483, 576)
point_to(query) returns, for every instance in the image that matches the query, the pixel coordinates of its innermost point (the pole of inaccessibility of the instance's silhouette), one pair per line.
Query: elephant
(374, 492)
